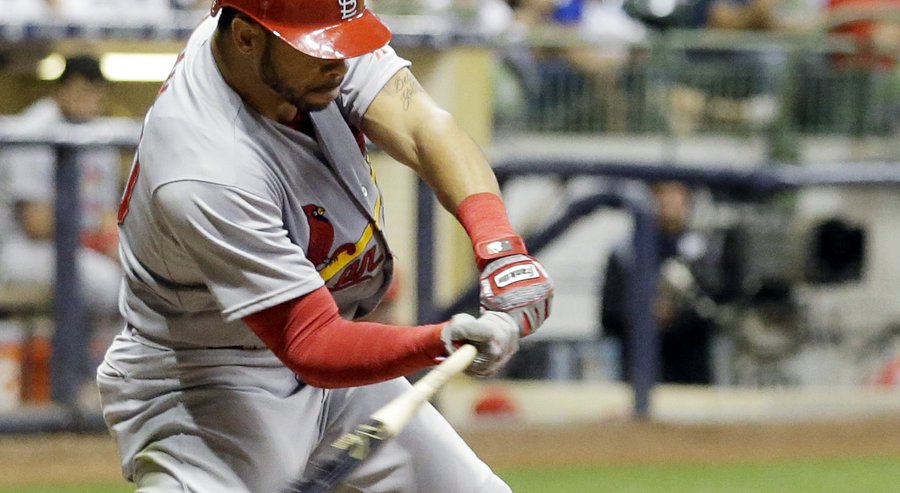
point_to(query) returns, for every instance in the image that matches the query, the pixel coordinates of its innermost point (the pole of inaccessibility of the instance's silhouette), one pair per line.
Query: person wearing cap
(27, 196)
(252, 241)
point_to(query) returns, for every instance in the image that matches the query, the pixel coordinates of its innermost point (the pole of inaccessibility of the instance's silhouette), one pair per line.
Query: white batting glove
(495, 336)
(518, 285)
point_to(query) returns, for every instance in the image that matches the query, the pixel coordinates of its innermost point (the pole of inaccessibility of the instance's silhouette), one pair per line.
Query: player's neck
(245, 81)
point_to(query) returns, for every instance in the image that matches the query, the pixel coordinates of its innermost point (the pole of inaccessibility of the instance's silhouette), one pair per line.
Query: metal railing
(689, 82)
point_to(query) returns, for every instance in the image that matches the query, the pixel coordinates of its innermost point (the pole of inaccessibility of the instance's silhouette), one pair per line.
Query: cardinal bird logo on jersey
(321, 237)
(321, 234)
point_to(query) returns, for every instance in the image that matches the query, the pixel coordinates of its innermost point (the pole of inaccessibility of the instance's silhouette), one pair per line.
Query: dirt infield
(630, 442)
(71, 459)
(58, 459)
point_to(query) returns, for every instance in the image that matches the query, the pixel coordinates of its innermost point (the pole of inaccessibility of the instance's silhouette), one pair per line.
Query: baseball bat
(353, 447)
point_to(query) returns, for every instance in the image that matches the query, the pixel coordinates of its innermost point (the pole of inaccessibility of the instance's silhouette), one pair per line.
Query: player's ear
(247, 35)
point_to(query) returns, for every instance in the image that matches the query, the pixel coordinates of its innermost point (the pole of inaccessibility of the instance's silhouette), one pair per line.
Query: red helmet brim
(362, 34)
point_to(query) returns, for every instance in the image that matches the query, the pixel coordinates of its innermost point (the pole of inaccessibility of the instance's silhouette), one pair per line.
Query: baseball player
(251, 238)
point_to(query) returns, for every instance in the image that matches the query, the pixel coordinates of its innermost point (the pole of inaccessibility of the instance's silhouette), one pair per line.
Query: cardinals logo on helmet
(348, 8)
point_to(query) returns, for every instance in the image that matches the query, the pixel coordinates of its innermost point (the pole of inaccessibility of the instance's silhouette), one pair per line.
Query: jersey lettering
(360, 269)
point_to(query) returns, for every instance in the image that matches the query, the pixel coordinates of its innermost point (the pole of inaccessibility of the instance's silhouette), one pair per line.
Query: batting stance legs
(238, 421)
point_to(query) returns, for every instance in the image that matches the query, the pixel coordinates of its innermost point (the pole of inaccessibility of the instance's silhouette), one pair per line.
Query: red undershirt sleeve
(324, 350)
(485, 220)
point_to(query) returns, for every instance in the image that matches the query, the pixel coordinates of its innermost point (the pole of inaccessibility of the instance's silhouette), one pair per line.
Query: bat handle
(397, 413)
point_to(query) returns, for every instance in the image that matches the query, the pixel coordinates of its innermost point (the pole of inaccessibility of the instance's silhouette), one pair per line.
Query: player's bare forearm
(406, 123)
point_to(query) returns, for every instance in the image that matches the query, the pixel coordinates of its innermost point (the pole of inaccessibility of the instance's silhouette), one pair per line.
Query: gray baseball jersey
(227, 213)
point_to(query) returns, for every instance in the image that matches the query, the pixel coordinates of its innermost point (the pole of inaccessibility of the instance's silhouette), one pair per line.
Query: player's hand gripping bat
(353, 447)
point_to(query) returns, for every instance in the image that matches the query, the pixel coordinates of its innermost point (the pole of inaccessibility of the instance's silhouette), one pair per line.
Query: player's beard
(276, 83)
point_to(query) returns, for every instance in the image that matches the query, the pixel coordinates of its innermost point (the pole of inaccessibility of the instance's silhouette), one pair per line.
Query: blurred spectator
(740, 85)
(874, 80)
(25, 10)
(683, 307)
(855, 92)
(876, 37)
(27, 251)
(114, 12)
(93, 12)
(565, 85)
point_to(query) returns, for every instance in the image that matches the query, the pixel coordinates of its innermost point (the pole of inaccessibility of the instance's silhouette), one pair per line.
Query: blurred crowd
(601, 70)
(608, 22)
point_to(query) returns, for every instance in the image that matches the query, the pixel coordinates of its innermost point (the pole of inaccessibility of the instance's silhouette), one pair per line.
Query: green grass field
(859, 475)
(870, 475)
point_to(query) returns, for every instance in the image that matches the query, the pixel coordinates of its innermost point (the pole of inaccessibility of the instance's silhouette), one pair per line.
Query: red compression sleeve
(324, 350)
(484, 218)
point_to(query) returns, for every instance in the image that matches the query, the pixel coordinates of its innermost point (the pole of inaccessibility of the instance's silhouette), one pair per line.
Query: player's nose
(336, 69)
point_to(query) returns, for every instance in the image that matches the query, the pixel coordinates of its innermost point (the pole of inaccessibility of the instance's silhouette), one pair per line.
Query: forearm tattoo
(406, 87)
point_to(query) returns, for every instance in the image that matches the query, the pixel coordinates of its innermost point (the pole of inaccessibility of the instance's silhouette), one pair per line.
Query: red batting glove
(518, 285)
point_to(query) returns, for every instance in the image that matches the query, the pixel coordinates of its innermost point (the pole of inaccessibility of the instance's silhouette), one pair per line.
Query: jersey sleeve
(366, 76)
(238, 243)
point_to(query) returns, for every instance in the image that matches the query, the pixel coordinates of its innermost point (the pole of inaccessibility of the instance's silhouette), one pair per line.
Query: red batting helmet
(332, 29)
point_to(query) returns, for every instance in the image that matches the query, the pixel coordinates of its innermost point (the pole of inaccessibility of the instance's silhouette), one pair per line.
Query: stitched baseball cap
(331, 29)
